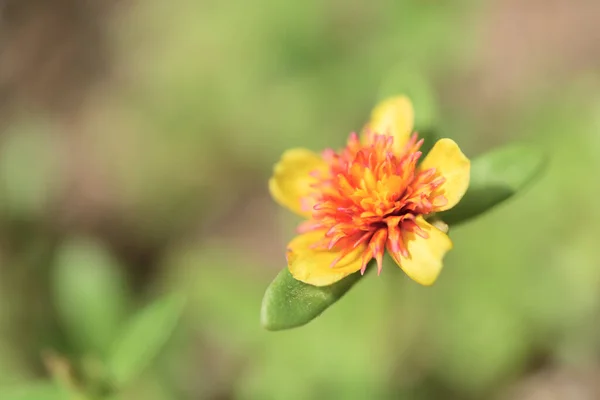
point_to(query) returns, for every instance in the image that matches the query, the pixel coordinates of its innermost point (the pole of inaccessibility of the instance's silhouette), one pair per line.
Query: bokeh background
(136, 141)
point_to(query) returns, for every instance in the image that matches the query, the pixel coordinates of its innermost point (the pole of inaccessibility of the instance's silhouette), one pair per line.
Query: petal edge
(424, 262)
(313, 266)
(450, 162)
(291, 179)
(393, 116)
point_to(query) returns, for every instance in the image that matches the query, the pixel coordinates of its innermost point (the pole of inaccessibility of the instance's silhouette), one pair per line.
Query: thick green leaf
(496, 176)
(289, 303)
(143, 338)
(90, 293)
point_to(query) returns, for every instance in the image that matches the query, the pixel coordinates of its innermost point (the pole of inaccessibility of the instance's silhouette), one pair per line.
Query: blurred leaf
(414, 84)
(67, 377)
(36, 391)
(90, 293)
(143, 339)
(430, 137)
(495, 177)
(289, 303)
(327, 358)
(26, 191)
(13, 366)
(495, 338)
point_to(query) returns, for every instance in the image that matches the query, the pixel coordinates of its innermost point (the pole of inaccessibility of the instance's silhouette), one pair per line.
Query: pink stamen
(370, 197)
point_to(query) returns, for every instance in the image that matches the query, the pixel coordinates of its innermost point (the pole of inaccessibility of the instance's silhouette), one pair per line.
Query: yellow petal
(291, 178)
(452, 164)
(393, 116)
(424, 262)
(313, 266)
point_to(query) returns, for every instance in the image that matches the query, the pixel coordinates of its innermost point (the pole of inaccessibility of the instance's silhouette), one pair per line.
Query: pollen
(371, 194)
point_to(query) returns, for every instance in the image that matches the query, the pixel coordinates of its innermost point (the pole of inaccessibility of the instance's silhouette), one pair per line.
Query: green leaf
(289, 303)
(143, 338)
(495, 177)
(90, 293)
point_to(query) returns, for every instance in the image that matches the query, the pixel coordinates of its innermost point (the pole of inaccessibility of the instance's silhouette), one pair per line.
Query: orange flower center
(372, 195)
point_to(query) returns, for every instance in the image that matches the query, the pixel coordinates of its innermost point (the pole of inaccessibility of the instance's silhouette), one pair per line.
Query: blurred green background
(136, 141)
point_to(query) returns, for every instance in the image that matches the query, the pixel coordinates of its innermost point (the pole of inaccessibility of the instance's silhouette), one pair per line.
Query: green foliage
(26, 191)
(289, 303)
(415, 85)
(37, 391)
(143, 338)
(90, 294)
(495, 177)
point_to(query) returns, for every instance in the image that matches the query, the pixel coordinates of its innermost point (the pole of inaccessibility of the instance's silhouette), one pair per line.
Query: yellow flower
(371, 196)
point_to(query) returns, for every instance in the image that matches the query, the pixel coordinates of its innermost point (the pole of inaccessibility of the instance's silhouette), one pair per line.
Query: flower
(371, 196)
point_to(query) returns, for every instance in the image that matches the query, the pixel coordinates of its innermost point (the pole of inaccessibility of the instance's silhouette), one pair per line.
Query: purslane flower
(374, 194)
